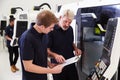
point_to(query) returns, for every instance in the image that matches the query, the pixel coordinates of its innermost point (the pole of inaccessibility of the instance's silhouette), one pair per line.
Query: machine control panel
(98, 71)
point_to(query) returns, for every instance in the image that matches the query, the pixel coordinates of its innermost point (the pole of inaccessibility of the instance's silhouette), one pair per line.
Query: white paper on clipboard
(71, 60)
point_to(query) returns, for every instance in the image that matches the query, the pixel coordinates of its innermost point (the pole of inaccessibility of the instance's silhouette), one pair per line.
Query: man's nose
(67, 24)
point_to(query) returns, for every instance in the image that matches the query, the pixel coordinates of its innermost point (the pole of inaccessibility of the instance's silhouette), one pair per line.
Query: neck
(37, 28)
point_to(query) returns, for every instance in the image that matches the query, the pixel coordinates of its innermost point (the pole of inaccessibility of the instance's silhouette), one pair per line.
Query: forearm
(77, 50)
(8, 38)
(50, 53)
(36, 69)
(58, 58)
(74, 46)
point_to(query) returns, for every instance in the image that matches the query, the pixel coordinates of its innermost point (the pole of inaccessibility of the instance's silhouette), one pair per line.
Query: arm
(77, 51)
(8, 38)
(30, 67)
(58, 58)
(7, 34)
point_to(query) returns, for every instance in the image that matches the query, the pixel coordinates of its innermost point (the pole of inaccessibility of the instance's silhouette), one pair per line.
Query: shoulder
(7, 27)
(56, 27)
(70, 28)
(26, 36)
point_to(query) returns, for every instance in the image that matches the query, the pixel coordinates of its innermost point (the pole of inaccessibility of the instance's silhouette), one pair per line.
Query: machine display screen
(3, 24)
(21, 27)
(109, 36)
(96, 48)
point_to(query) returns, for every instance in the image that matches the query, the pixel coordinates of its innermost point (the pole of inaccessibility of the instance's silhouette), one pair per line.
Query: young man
(13, 50)
(61, 46)
(33, 48)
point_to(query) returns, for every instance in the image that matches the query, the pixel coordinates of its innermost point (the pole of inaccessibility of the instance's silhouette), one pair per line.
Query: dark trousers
(69, 73)
(13, 55)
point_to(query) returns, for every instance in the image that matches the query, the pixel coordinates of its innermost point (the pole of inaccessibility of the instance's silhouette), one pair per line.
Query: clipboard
(71, 60)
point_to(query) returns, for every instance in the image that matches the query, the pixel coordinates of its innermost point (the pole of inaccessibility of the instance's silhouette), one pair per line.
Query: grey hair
(68, 13)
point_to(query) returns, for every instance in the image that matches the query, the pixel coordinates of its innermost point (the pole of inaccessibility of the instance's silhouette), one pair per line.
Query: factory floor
(5, 70)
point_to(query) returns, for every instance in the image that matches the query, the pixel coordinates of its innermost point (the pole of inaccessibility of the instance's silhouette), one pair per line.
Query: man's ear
(42, 26)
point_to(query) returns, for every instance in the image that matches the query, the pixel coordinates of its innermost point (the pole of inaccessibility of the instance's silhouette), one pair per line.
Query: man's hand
(51, 65)
(59, 58)
(57, 69)
(78, 52)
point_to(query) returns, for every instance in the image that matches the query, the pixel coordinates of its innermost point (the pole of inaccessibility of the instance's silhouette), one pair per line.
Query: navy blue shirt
(33, 46)
(61, 41)
(9, 33)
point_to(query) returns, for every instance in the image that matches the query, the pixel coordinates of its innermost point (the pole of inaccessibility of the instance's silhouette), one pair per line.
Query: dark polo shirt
(33, 46)
(9, 32)
(61, 41)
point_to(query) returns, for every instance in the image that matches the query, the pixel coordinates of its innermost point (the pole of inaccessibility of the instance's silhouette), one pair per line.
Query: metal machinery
(3, 24)
(24, 20)
(107, 65)
(99, 42)
(20, 25)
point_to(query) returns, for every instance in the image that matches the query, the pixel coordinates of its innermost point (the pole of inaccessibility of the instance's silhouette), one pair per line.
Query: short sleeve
(26, 48)
(6, 31)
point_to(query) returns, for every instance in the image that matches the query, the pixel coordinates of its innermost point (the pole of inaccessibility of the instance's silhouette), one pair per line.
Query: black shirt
(33, 46)
(61, 41)
(9, 32)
